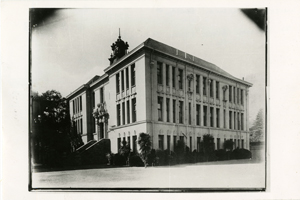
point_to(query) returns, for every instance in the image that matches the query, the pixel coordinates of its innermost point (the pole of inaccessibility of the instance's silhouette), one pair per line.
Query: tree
(125, 151)
(228, 144)
(257, 129)
(144, 142)
(208, 145)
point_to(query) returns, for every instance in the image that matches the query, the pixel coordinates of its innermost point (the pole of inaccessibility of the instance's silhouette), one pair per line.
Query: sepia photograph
(148, 99)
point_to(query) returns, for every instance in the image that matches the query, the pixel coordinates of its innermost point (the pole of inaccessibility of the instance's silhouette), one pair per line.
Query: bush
(221, 154)
(135, 160)
(241, 154)
(119, 160)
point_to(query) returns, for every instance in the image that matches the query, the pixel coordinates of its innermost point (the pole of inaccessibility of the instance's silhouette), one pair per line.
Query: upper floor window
(204, 85)
(238, 95)
(205, 115)
(167, 75)
(133, 74)
(217, 89)
(197, 84)
(118, 115)
(242, 97)
(190, 113)
(211, 89)
(181, 112)
(122, 80)
(211, 116)
(118, 83)
(233, 94)
(230, 93)
(168, 109)
(101, 95)
(93, 99)
(133, 109)
(159, 73)
(174, 111)
(127, 78)
(173, 77)
(198, 114)
(217, 117)
(180, 78)
(160, 108)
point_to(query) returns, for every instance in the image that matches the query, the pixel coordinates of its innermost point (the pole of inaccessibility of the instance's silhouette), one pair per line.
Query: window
(234, 120)
(217, 89)
(133, 75)
(127, 78)
(238, 95)
(191, 144)
(230, 93)
(211, 89)
(242, 143)
(168, 109)
(167, 75)
(233, 94)
(242, 97)
(211, 117)
(128, 141)
(238, 145)
(181, 112)
(198, 114)
(224, 117)
(174, 142)
(80, 103)
(118, 83)
(190, 113)
(93, 99)
(81, 128)
(119, 143)
(118, 114)
(190, 85)
(159, 73)
(197, 84)
(217, 117)
(218, 143)
(230, 119)
(242, 121)
(168, 142)
(174, 111)
(224, 95)
(134, 143)
(204, 85)
(101, 95)
(73, 103)
(198, 143)
(123, 113)
(161, 142)
(128, 113)
(160, 108)
(174, 77)
(205, 115)
(180, 78)
(122, 80)
(234, 144)
(238, 121)
(133, 102)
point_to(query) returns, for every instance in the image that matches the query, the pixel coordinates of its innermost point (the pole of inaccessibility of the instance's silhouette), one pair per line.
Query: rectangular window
(204, 115)
(81, 128)
(224, 95)
(174, 77)
(234, 144)
(217, 117)
(123, 113)
(133, 102)
(122, 80)
(73, 103)
(180, 78)
(168, 142)
(167, 75)
(134, 143)
(190, 113)
(159, 73)
(238, 121)
(128, 141)
(242, 97)
(217, 89)
(132, 75)
(174, 111)
(181, 138)
(198, 84)
(238, 143)
(101, 95)
(118, 83)
(160, 108)
(93, 99)
(161, 142)
(238, 95)
(198, 115)
(230, 93)
(119, 144)
(211, 89)
(242, 121)
(190, 85)
(233, 94)
(118, 114)
(218, 143)
(191, 144)
(181, 112)
(80, 103)
(242, 143)
(198, 143)
(128, 112)
(211, 117)
(234, 120)
(127, 78)
(230, 119)
(168, 109)
(174, 142)
(204, 85)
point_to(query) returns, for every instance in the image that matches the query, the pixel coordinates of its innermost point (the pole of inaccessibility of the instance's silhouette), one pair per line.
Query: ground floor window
(134, 143)
(168, 143)
(161, 142)
(218, 143)
(119, 144)
(198, 143)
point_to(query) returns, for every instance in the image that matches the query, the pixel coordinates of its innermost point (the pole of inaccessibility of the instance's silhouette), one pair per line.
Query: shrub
(119, 160)
(241, 154)
(221, 154)
(135, 160)
(152, 157)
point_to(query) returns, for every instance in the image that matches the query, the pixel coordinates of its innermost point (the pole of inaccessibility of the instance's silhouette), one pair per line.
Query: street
(238, 174)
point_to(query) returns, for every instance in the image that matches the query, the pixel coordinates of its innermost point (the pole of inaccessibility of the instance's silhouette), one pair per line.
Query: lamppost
(101, 115)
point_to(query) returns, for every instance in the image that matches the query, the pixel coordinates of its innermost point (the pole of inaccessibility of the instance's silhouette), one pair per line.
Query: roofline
(105, 75)
(77, 90)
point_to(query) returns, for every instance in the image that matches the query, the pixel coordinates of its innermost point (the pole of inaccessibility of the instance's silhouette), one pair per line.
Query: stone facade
(167, 93)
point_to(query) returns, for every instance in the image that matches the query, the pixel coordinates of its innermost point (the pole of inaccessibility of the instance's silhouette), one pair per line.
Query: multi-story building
(165, 92)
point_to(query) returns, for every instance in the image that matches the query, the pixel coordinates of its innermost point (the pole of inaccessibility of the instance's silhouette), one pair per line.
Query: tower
(119, 49)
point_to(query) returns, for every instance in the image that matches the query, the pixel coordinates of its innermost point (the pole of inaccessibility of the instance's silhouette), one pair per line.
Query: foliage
(208, 147)
(179, 151)
(125, 150)
(222, 154)
(118, 160)
(257, 129)
(241, 154)
(144, 142)
(135, 160)
(228, 145)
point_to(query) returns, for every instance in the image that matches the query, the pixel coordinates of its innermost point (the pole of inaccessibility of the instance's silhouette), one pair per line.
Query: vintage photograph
(147, 99)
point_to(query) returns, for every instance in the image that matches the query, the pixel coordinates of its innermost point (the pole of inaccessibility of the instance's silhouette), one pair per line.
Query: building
(165, 92)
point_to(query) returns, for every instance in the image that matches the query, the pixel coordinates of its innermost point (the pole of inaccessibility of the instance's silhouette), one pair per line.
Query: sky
(70, 46)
